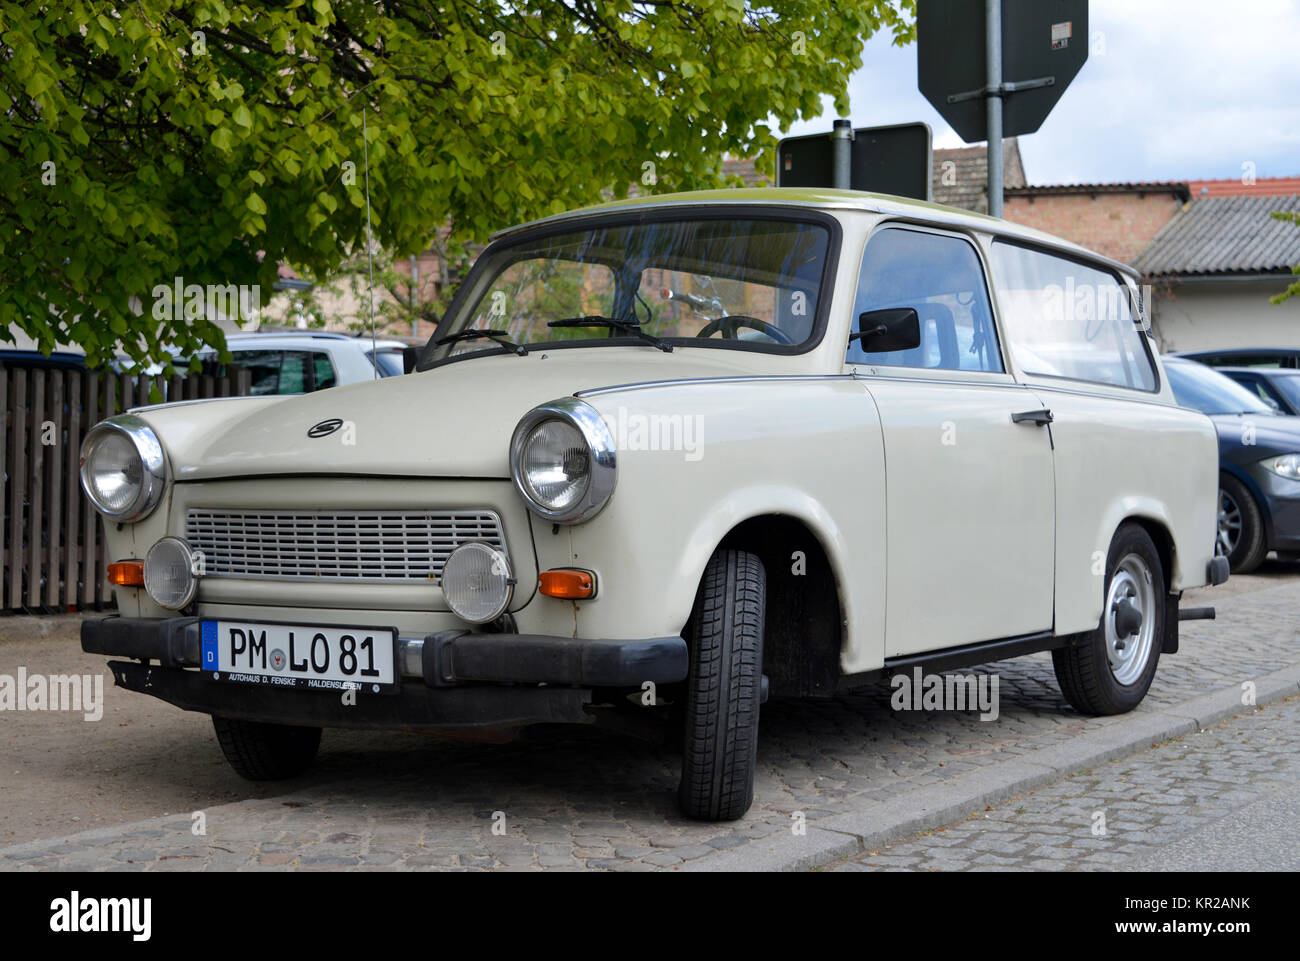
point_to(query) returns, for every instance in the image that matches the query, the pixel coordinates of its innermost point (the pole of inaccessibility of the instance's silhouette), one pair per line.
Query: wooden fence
(52, 555)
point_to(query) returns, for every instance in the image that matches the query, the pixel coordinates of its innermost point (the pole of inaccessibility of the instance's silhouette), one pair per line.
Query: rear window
(1063, 318)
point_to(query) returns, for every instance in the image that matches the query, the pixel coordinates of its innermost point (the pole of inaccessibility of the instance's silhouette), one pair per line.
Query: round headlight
(555, 465)
(562, 461)
(169, 573)
(123, 468)
(477, 583)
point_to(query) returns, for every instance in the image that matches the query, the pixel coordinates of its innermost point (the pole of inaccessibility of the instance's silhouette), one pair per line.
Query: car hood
(451, 421)
(1246, 438)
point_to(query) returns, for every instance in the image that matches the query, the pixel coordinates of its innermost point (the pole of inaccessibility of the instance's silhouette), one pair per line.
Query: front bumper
(453, 679)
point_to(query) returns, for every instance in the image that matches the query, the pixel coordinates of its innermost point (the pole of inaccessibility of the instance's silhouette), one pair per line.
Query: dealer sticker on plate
(299, 655)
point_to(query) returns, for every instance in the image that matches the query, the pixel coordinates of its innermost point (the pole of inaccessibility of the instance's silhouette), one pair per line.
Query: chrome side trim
(738, 379)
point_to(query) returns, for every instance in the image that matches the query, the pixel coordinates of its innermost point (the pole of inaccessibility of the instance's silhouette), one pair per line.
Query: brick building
(1118, 220)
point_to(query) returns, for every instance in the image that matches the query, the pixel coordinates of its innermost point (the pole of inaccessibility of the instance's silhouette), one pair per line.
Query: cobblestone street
(566, 799)
(1228, 793)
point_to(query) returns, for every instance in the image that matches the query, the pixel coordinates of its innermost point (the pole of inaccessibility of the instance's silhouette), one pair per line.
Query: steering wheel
(729, 325)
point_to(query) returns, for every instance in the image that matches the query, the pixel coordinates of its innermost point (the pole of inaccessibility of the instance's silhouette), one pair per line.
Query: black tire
(266, 752)
(1083, 669)
(723, 689)
(1251, 545)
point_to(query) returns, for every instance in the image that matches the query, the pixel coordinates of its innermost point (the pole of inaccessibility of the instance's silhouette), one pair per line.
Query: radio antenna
(370, 246)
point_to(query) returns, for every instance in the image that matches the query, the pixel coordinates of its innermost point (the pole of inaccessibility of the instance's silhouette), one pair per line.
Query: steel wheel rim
(1229, 524)
(1133, 584)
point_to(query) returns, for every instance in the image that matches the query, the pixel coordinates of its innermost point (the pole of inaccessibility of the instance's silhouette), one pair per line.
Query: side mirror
(410, 357)
(883, 331)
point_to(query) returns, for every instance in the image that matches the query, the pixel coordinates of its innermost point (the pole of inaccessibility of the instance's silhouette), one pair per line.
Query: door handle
(1039, 417)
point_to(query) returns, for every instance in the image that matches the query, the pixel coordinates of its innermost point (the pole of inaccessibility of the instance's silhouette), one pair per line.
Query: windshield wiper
(497, 337)
(627, 327)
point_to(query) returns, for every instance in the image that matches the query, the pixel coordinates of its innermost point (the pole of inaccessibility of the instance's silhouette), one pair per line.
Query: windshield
(702, 282)
(389, 361)
(1289, 386)
(1200, 388)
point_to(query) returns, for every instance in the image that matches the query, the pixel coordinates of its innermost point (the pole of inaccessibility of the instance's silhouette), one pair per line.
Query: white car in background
(302, 363)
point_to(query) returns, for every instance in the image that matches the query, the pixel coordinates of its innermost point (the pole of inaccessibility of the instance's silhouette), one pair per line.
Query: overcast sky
(1184, 90)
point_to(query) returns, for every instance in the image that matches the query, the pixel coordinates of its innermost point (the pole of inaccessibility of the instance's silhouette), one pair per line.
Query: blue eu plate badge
(210, 660)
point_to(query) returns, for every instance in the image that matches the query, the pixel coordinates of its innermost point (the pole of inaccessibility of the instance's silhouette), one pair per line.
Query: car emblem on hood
(325, 428)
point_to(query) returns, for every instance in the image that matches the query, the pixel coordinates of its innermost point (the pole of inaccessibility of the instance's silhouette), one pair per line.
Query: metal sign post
(996, 68)
(888, 160)
(993, 47)
(842, 149)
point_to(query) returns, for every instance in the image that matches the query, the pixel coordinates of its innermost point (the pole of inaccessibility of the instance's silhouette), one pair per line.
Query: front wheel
(266, 752)
(1109, 670)
(723, 689)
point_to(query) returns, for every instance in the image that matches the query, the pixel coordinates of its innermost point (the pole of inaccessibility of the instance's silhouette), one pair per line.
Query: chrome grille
(335, 545)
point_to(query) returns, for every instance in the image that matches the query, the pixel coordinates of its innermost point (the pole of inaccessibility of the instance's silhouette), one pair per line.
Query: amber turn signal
(126, 573)
(568, 584)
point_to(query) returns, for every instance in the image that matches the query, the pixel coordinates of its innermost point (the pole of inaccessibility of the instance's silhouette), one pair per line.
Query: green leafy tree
(1294, 289)
(209, 139)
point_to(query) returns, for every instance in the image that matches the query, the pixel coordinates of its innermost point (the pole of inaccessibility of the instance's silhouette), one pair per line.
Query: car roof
(1265, 371)
(1240, 352)
(828, 199)
(279, 339)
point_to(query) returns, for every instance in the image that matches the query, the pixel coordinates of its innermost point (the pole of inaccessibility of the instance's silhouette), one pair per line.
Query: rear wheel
(1241, 527)
(1110, 669)
(266, 752)
(723, 689)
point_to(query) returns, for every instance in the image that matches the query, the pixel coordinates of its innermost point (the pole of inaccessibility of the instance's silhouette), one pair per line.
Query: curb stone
(878, 823)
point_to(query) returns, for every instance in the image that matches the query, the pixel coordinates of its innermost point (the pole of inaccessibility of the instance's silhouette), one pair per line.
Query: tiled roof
(961, 175)
(1225, 235)
(1180, 190)
(1264, 186)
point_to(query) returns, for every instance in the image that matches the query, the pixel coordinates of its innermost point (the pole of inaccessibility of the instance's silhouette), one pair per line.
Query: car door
(970, 512)
(1073, 337)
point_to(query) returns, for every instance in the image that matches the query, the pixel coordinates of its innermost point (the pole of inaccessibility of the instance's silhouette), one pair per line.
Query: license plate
(301, 655)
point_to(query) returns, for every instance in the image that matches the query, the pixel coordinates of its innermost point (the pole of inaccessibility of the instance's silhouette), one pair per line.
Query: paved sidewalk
(858, 774)
(1223, 799)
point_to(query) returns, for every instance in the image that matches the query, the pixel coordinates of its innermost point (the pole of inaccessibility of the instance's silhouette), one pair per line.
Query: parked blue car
(1259, 465)
(1278, 387)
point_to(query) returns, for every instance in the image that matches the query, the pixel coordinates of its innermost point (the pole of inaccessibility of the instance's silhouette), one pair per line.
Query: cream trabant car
(669, 457)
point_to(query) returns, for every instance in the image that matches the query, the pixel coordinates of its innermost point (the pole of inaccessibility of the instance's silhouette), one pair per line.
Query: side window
(293, 373)
(1063, 318)
(941, 278)
(263, 366)
(323, 371)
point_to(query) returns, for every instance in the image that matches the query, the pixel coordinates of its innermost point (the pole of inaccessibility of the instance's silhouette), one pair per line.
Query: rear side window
(293, 374)
(323, 372)
(940, 276)
(1062, 318)
(263, 367)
